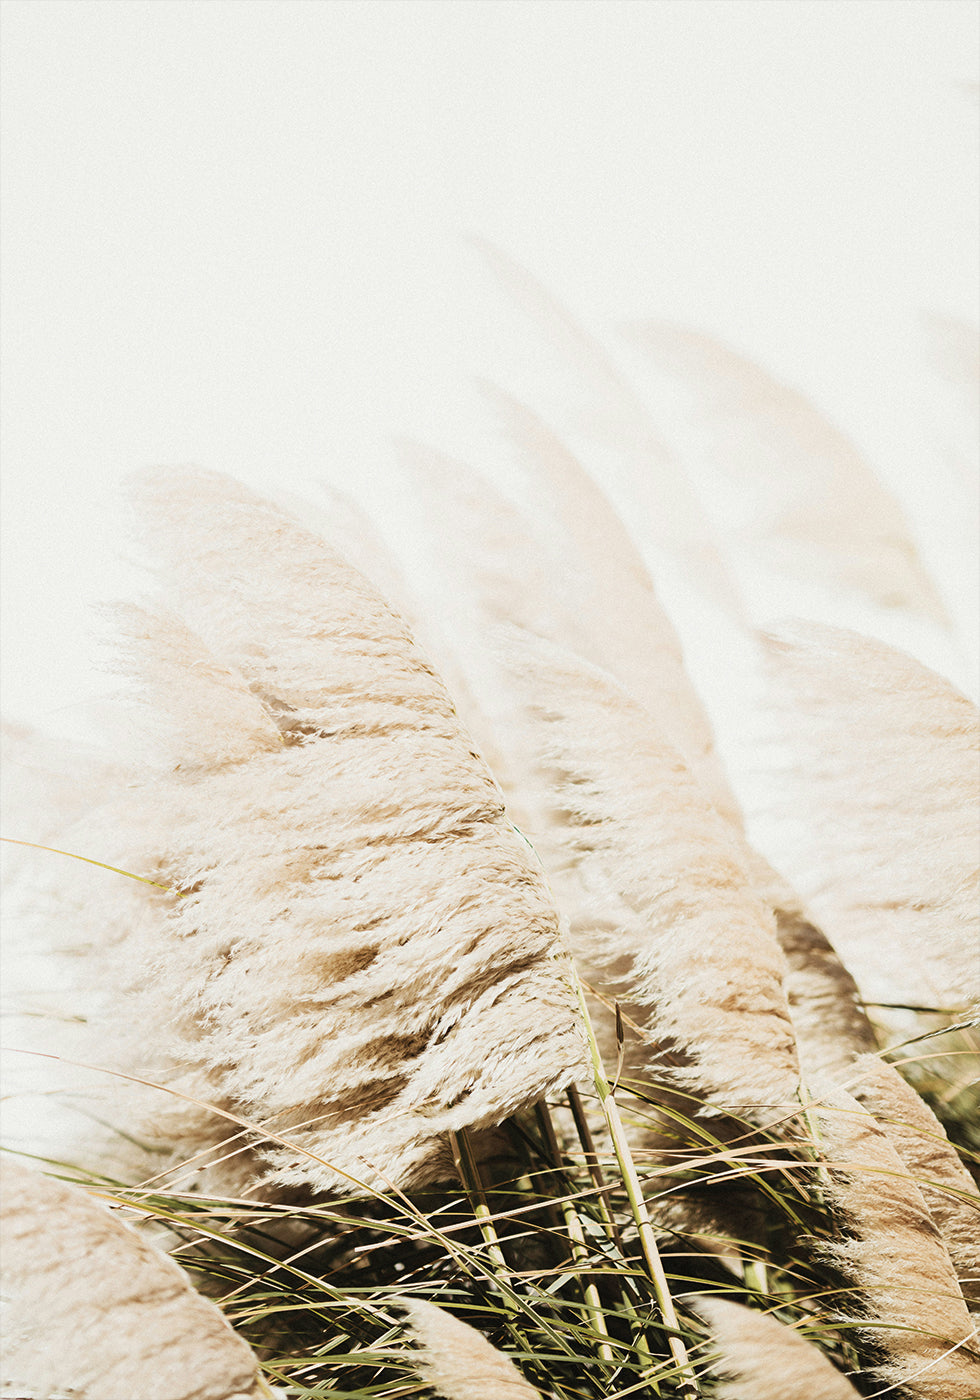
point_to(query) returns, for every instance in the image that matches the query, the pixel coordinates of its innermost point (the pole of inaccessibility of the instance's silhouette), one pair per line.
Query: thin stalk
(638, 1206)
(469, 1175)
(585, 1137)
(576, 1236)
(592, 1162)
(73, 855)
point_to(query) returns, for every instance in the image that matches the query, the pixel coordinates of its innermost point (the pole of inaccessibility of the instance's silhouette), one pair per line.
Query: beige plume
(93, 1311)
(457, 1361)
(567, 570)
(600, 574)
(907, 1299)
(359, 952)
(595, 404)
(654, 880)
(761, 1359)
(917, 1136)
(791, 489)
(872, 812)
(488, 552)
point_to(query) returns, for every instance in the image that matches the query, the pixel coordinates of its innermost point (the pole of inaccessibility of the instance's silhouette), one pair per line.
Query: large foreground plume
(93, 1311)
(355, 950)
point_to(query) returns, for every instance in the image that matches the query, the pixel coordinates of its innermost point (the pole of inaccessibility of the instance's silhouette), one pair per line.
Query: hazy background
(234, 235)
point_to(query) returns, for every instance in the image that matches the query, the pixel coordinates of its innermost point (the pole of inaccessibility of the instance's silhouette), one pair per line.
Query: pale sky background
(233, 235)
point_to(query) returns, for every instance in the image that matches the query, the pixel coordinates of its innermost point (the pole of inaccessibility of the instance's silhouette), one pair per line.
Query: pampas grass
(792, 491)
(479, 1051)
(762, 1359)
(907, 1298)
(456, 1360)
(334, 852)
(662, 908)
(872, 812)
(94, 1311)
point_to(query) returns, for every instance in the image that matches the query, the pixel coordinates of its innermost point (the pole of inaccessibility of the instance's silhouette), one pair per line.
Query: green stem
(585, 1137)
(576, 1237)
(638, 1206)
(469, 1175)
(73, 855)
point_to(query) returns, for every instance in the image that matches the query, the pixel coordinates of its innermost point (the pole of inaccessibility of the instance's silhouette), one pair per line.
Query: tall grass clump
(488, 1039)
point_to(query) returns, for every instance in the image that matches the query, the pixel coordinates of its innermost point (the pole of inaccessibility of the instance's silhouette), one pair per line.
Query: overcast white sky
(232, 233)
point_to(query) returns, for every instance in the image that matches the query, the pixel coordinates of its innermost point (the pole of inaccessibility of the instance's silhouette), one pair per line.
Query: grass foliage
(537, 1246)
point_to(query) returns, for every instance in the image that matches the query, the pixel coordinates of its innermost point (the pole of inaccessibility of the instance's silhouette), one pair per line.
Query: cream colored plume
(661, 903)
(600, 574)
(917, 1136)
(92, 1310)
(872, 812)
(457, 1361)
(831, 1025)
(591, 400)
(789, 488)
(566, 570)
(835, 1038)
(553, 576)
(491, 558)
(761, 1359)
(906, 1299)
(358, 952)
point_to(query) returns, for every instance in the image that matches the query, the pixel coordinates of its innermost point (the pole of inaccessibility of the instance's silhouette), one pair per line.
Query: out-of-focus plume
(597, 406)
(791, 492)
(457, 1361)
(761, 1359)
(907, 1299)
(92, 1310)
(872, 813)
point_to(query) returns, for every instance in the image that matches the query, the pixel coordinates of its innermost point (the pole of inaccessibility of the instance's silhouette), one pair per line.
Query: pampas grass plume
(873, 815)
(457, 1361)
(93, 1311)
(358, 950)
(761, 1359)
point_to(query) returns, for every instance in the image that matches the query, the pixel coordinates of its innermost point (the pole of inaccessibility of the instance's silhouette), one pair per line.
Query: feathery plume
(653, 879)
(917, 1136)
(761, 1359)
(359, 952)
(598, 404)
(500, 565)
(794, 492)
(509, 579)
(831, 1024)
(94, 1311)
(608, 590)
(457, 1361)
(875, 821)
(909, 1303)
